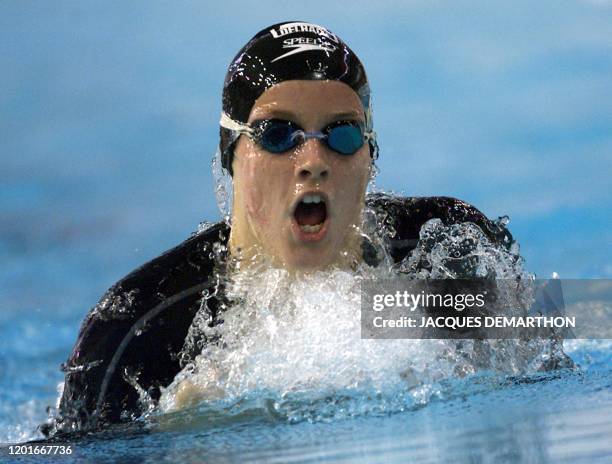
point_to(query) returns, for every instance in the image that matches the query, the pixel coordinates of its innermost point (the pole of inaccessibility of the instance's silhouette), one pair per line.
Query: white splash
(290, 336)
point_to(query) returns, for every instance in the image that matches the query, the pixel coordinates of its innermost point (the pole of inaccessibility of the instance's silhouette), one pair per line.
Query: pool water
(300, 385)
(561, 416)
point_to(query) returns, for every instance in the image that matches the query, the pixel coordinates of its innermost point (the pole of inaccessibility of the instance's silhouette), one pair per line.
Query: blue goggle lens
(345, 138)
(278, 137)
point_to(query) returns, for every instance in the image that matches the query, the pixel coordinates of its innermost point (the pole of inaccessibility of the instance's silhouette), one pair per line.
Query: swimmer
(297, 138)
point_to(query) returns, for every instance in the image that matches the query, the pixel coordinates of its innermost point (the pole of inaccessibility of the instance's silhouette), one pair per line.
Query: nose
(312, 161)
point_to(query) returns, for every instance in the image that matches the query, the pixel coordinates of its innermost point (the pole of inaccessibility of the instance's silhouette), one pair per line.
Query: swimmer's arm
(95, 389)
(186, 395)
(406, 215)
(189, 390)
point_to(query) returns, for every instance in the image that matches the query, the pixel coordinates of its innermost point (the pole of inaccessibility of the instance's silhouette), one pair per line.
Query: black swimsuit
(137, 331)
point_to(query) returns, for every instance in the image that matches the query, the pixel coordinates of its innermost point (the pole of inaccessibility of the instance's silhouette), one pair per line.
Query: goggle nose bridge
(304, 135)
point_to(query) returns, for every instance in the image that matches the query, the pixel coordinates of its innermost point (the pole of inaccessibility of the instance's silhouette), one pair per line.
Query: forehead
(308, 102)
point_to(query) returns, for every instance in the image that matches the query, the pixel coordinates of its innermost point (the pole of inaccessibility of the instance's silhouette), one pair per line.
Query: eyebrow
(347, 115)
(291, 116)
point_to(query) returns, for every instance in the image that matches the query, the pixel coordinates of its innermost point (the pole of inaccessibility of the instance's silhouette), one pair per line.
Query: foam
(297, 338)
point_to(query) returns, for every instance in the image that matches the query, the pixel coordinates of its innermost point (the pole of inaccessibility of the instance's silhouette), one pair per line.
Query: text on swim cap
(291, 28)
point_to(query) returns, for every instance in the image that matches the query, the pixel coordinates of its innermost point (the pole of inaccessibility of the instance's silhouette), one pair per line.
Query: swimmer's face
(301, 208)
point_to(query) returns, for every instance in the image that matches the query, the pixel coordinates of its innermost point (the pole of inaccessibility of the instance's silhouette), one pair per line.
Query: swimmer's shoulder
(406, 216)
(137, 329)
(172, 273)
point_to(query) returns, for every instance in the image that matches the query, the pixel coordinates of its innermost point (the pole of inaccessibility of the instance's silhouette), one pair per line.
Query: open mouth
(310, 213)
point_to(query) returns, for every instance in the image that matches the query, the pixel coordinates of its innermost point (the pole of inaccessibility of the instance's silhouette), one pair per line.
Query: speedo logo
(291, 28)
(304, 44)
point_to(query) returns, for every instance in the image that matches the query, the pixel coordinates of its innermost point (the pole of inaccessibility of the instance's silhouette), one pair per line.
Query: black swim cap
(287, 51)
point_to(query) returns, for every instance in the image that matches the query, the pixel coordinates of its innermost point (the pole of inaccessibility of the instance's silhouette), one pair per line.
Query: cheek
(354, 179)
(254, 193)
(263, 191)
(355, 175)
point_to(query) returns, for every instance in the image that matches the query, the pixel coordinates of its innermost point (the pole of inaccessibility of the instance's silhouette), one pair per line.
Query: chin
(307, 261)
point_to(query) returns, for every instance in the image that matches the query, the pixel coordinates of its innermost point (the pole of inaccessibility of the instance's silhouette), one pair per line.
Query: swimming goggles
(279, 136)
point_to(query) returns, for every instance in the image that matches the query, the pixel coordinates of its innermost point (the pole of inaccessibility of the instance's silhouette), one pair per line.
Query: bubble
(223, 187)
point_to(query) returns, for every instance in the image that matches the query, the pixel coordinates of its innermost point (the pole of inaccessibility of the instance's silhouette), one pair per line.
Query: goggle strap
(228, 123)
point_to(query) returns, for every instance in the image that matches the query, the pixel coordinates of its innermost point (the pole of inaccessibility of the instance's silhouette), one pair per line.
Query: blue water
(108, 121)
